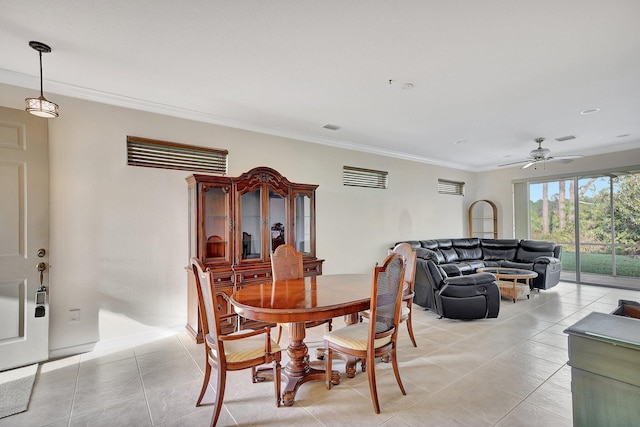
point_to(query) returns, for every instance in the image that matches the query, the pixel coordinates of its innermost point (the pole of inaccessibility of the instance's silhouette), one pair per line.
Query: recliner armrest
(471, 279)
(427, 254)
(557, 252)
(546, 260)
(469, 286)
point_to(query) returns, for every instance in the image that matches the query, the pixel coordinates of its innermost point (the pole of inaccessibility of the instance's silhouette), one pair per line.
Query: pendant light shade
(40, 106)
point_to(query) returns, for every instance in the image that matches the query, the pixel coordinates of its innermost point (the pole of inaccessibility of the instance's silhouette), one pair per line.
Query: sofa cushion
(532, 249)
(520, 265)
(475, 264)
(433, 255)
(498, 254)
(429, 244)
(469, 242)
(450, 255)
(432, 245)
(444, 243)
(451, 270)
(493, 263)
(415, 244)
(499, 243)
(499, 249)
(523, 255)
(465, 267)
(538, 246)
(423, 253)
(469, 253)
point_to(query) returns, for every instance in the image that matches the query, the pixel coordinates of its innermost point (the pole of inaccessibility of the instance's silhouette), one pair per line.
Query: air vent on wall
(358, 177)
(170, 155)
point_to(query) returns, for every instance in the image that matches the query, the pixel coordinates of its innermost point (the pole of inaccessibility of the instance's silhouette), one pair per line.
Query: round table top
(302, 300)
(509, 273)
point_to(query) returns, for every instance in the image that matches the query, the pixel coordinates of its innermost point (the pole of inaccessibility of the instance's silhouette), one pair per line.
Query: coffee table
(508, 281)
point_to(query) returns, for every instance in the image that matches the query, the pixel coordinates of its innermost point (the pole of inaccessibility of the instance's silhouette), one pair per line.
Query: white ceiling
(494, 73)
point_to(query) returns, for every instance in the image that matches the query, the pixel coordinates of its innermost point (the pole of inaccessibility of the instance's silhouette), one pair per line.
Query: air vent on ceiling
(170, 155)
(565, 138)
(455, 188)
(358, 177)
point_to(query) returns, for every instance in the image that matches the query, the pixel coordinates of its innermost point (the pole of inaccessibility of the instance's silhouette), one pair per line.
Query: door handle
(41, 293)
(42, 267)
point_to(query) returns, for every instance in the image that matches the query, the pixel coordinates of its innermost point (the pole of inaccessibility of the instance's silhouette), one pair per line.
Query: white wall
(119, 234)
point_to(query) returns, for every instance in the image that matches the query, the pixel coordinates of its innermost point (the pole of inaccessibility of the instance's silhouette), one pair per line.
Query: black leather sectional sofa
(446, 279)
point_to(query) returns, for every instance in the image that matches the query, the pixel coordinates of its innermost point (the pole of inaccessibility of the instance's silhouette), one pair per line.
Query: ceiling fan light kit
(542, 155)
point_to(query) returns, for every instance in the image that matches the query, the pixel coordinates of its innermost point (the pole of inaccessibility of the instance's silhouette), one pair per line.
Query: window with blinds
(152, 153)
(450, 187)
(358, 177)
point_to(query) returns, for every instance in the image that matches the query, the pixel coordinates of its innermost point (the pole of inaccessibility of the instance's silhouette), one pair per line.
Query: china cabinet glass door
(302, 223)
(216, 216)
(277, 220)
(251, 228)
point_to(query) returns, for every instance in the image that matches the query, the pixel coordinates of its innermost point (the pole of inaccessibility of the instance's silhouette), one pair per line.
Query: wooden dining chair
(231, 352)
(286, 264)
(410, 257)
(376, 338)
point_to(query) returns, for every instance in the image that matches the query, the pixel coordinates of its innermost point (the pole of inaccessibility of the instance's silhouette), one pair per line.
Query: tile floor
(509, 371)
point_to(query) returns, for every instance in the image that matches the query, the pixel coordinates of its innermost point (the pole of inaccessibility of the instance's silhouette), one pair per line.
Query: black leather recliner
(540, 256)
(472, 296)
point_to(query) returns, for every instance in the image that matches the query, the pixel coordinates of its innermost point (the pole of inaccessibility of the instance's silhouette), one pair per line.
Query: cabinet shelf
(483, 214)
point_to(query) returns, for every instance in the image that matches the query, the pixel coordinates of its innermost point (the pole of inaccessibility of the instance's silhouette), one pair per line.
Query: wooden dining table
(298, 301)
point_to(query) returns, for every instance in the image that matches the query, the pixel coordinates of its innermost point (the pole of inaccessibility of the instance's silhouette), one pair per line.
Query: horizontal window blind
(450, 187)
(170, 155)
(358, 177)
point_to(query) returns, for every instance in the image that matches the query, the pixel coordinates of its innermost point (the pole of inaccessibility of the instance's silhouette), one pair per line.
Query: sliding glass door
(597, 220)
(552, 217)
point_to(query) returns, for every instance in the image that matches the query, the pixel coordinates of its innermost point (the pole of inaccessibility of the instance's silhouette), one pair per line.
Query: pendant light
(41, 107)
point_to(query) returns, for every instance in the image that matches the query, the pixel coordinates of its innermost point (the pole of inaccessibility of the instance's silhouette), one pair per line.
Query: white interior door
(24, 231)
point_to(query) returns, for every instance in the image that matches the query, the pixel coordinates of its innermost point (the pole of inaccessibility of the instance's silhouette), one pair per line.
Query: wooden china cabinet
(236, 223)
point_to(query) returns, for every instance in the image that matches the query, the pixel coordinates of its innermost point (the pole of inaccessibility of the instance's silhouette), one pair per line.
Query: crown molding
(32, 82)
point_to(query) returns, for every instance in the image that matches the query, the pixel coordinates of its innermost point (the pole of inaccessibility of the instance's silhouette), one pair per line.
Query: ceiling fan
(542, 155)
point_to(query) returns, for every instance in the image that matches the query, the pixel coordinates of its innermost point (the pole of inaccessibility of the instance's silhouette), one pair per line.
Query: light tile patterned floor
(509, 371)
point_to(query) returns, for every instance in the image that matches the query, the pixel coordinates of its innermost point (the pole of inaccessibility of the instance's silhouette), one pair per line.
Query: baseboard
(116, 343)
(71, 351)
(137, 339)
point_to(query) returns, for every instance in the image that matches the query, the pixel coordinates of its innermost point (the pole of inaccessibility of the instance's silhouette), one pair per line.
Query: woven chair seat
(355, 337)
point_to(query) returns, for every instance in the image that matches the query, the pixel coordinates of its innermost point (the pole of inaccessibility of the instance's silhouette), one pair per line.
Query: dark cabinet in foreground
(236, 223)
(604, 355)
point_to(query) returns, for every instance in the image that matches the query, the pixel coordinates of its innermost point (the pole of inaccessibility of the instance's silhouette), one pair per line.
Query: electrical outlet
(75, 314)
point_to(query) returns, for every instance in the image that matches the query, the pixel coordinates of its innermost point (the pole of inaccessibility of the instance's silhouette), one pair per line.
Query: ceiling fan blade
(531, 163)
(514, 163)
(567, 157)
(564, 159)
